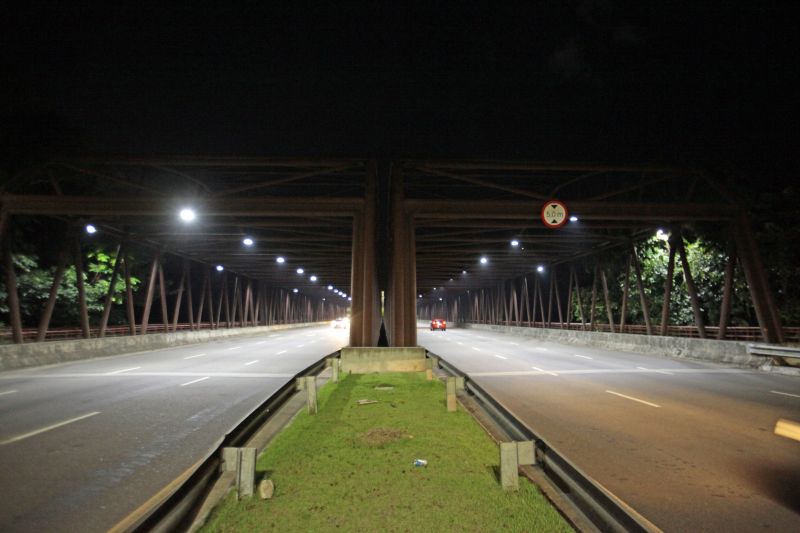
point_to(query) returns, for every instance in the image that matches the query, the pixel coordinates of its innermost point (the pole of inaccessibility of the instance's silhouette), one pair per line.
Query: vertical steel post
(11, 290)
(691, 288)
(668, 289)
(178, 297)
(607, 299)
(162, 290)
(47, 313)
(558, 297)
(129, 295)
(640, 288)
(625, 290)
(189, 302)
(151, 287)
(110, 292)
(82, 307)
(593, 310)
(357, 317)
(725, 309)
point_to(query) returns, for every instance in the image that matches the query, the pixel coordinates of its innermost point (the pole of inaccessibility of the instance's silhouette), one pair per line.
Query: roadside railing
(603, 509)
(173, 511)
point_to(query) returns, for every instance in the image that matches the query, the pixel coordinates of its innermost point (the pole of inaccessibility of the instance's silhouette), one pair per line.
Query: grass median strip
(351, 468)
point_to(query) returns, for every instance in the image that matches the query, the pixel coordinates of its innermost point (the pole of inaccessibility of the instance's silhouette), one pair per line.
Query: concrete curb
(16, 356)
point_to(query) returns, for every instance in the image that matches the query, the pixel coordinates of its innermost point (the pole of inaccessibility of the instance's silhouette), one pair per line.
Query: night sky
(707, 83)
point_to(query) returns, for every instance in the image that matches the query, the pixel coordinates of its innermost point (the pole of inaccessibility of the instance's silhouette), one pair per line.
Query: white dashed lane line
(652, 370)
(196, 355)
(544, 371)
(476, 349)
(282, 351)
(785, 394)
(460, 343)
(274, 335)
(234, 348)
(632, 398)
(583, 356)
(251, 363)
(194, 381)
(538, 349)
(123, 370)
(261, 342)
(48, 428)
(5, 392)
(300, 345)
(500, 356)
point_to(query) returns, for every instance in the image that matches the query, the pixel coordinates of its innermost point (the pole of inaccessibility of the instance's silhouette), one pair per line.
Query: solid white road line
(196, 355)
(123, 370)
(785, 394)
(48, 428)
(251, 363)
(194, 381)
(545, 371)
(282, 351)
(500, 356)
(234, 348)
(653, 370)
(632, 398)
(7, 392)
(583, 356)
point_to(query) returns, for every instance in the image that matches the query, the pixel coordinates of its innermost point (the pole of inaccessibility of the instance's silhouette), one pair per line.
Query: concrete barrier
(14, 356)
(728, 352)
(370, 360)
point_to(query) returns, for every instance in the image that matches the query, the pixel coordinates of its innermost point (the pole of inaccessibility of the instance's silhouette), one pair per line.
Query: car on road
(341, 323)
(439, 323)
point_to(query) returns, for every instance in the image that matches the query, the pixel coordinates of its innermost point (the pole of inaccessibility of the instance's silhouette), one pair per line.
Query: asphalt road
(689, 445)
(84, 444)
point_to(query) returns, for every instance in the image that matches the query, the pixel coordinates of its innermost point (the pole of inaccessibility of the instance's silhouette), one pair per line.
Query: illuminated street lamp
(313, 278)
(247, 241)
(295, 290)
(90, 229)
(330, 287)
(515, 243)
(484, 260)
(187, 214)
(540, 268)
(280, 260)
(573, 218)
(300, 270)
(220, 268)
(661, 235)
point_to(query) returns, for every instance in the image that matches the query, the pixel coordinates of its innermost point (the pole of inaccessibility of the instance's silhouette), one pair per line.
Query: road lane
(87, 475)
(706, 459)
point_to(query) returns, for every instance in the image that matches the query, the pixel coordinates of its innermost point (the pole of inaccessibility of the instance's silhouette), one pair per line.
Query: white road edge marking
(196, 355)
(773, 392)
(545, 371)
(500, 356)
(234, 348)
(122, 370)
(282, 351)
(583, 356)
(7, 392)
(194, 381)
(48, 428)
(632, 398)
(652, 370)
(251, 363)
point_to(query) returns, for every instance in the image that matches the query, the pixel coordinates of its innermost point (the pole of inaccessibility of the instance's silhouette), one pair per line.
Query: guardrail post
(334, 363)
(451, 394)
(311, 394)
(430, 364)
(247, 472)
(509, 467)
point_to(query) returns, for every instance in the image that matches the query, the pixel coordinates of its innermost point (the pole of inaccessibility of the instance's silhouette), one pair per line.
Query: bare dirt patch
(380, 436)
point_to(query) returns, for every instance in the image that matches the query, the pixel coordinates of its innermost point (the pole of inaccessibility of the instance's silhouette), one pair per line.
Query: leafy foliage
(34, 283)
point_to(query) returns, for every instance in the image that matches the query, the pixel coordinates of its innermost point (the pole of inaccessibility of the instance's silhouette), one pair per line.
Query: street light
(484, 260)
(313, 278)
(187, 214)
(540, 268)
(220, 268)
(573, 218)
(280, 260)
(295, 290)
(247, 241)
(515, 243)
(90, 229)
(300, 270)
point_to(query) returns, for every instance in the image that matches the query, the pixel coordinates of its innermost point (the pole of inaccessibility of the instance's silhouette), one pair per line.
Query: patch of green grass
(350, 468)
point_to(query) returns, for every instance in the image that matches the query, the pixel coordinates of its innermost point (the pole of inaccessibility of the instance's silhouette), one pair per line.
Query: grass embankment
(350, 468)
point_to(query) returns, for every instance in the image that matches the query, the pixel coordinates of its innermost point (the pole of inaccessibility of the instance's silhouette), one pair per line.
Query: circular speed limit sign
(554, 214)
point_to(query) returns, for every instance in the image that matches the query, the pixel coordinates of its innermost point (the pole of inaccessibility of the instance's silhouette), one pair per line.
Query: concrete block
(525, 453)
(432, 362)
(429, 374)
(311, 394)
(335, 366)
(230, 459)
(451, 394)
(460, 384)
(266, 488)
(247, 472)
(509, 468)
(368, 360)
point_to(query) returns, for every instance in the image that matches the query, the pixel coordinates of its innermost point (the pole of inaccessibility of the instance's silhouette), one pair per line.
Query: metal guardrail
(774, 350)
(605, 510)
(175, 509)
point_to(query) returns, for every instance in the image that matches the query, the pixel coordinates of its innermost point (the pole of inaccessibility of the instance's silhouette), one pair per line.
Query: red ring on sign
(566, 214)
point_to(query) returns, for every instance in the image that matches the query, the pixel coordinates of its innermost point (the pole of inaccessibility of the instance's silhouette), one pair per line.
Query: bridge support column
(402, 298)
(364, 308)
